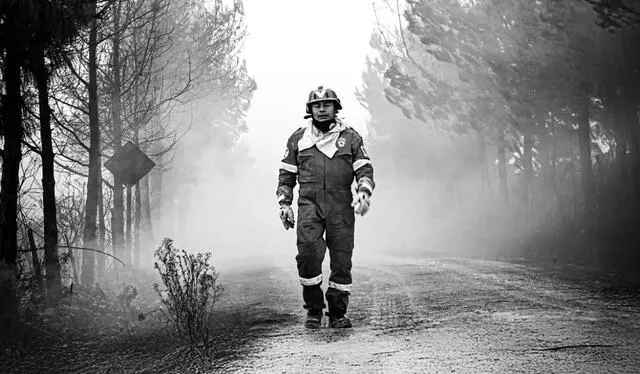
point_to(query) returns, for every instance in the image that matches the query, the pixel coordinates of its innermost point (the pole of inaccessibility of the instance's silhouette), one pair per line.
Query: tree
(543, 80)
(11, 31)
(33, 31)
(56, 24)
(94, 179)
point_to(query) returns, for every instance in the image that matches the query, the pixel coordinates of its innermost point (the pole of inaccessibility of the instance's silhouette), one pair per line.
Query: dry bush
(190, 293)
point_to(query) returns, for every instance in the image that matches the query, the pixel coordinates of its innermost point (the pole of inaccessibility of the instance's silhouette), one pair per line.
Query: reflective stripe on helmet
(320, 93)
(340, 287)
(288, 167)
(311, 281)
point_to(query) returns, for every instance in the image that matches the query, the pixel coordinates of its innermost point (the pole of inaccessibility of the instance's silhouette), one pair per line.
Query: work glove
(287, 217)
(361, 203)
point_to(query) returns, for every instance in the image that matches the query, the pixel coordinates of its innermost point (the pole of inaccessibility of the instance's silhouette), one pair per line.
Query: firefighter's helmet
(323, 94)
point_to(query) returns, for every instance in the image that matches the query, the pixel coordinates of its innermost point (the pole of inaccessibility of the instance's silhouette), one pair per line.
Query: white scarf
(325, 142)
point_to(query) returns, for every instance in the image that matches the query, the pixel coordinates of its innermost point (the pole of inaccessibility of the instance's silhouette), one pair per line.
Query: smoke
(227, 208)
(430, 196)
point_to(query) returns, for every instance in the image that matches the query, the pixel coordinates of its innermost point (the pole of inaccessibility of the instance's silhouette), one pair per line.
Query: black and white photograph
(307, 186)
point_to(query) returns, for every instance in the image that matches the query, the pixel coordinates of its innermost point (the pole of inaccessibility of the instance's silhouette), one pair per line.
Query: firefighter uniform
(324, 165)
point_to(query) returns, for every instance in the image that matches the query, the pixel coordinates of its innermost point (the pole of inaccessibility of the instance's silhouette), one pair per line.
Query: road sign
(129, 164)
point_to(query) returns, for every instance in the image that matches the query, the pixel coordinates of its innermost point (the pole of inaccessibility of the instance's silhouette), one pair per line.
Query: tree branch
(72, 247)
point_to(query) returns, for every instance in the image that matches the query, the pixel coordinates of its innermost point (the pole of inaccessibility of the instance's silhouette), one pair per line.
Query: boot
(339, 322)
(313, 320)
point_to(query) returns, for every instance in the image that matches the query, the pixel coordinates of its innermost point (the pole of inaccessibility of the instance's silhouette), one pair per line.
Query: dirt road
(446, 315)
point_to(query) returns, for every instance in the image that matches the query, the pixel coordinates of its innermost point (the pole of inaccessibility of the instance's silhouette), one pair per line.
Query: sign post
(129, 164)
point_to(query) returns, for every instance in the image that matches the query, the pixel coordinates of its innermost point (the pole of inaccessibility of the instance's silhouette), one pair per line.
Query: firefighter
(324, 157)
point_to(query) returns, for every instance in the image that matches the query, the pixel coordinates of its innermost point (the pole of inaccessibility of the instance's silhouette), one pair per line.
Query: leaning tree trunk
(52, 264)
(117, 213)
(502, 164)
(94, 183)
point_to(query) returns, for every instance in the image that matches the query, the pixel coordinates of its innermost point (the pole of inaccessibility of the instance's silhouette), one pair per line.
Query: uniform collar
(325, 142)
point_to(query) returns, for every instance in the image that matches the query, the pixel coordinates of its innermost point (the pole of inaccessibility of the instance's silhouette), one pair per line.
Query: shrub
(190, 293)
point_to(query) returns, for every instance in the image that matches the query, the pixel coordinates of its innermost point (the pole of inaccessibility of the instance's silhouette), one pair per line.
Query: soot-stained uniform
(325, 165)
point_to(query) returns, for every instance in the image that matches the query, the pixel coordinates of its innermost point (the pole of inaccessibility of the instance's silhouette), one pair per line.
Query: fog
(428, 183)
(230, 206)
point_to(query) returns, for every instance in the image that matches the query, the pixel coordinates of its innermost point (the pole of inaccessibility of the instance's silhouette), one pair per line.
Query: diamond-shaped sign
(129, 164)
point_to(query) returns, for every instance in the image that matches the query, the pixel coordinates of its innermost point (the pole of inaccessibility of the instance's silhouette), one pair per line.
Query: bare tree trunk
(554, 162)
(52, 264)
(634, 162)
(502, 164)
(552, 206)
(100, 263)
(94, 183)
(147, 225)
(136, 229)
(156, 200)
(128, 233)
(528, 174)
(484, 167)
(8, 298)
(584, 138)
(11, 157)
(117, 220)
(575, 190)
(34, 259)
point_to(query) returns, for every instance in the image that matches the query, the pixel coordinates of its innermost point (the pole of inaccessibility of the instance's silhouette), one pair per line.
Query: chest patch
(341, 142)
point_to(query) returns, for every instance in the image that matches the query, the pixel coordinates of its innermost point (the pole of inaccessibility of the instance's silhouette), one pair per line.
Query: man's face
(323, 111)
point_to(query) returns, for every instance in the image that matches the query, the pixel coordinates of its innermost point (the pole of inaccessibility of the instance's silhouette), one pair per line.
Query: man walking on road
(324, 157)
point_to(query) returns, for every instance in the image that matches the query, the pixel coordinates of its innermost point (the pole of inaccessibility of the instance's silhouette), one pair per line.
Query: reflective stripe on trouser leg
(311, 250)
(340, 287)
(311, 281)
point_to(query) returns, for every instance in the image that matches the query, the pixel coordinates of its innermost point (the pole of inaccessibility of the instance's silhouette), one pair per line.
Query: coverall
(325, 165)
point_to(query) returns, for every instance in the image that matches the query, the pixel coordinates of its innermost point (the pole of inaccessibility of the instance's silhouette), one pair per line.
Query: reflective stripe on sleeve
(280, 198)
(340, 287)
(311, 281)
(288, 167)
(360, 163)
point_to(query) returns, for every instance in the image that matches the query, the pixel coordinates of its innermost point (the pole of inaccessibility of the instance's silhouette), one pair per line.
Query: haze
(292, 47)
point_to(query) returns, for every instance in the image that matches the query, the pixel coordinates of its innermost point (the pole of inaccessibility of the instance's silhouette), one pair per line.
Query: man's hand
(287, 217)
(361, 203)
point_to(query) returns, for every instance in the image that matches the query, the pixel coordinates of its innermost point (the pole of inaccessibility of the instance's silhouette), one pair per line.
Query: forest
(521, 118)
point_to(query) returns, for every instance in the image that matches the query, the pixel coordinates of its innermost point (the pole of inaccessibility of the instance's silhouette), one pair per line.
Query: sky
(292, 47)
